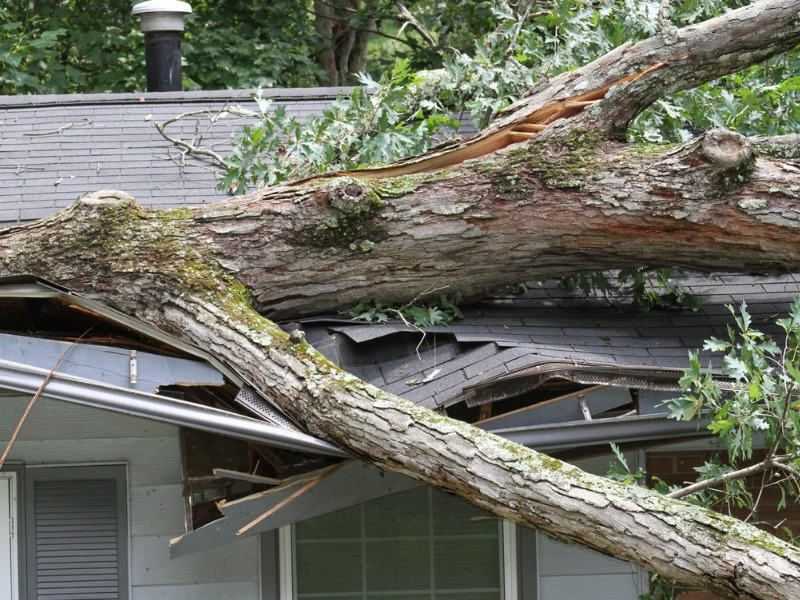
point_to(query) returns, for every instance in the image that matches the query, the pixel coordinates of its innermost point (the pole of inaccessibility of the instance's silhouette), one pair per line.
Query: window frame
(279, 572)
(13, 474)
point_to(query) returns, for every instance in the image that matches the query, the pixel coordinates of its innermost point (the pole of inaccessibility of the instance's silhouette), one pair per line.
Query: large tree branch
(155, 266)
(553, 207)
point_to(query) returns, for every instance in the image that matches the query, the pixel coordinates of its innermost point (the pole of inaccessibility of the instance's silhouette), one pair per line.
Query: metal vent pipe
(162, 25)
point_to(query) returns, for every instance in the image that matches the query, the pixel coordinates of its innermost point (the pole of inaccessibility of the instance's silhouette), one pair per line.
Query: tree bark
(568, 199)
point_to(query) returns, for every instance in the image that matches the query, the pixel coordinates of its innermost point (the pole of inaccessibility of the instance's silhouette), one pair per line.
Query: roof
(54, 148)
(508, 343)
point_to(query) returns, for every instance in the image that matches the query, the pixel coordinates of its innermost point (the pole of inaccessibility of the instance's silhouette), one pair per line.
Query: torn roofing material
(507, 343)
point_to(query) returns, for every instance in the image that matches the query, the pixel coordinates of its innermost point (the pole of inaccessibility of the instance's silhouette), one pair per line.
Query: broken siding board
(355, 482)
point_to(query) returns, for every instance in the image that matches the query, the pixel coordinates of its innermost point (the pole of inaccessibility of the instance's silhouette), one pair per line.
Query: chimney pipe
(162, 25)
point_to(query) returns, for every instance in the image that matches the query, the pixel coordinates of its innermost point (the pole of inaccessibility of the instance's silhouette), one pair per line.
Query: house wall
(570, 572)
(59, 433)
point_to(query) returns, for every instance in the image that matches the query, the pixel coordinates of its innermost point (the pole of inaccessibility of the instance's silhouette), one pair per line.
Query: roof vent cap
(162, 15)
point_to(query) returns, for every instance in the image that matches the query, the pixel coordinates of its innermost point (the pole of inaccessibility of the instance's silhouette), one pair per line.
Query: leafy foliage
(235, 44)
(763, 400)
(648, 289)
(61, 47)
(443, 310)
(358, 130)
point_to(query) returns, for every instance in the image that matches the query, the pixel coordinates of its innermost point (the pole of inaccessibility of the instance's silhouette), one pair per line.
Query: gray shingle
(110, 130)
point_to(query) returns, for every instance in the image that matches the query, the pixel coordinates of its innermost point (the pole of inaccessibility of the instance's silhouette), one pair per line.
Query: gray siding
(570, 572)
(60, 433)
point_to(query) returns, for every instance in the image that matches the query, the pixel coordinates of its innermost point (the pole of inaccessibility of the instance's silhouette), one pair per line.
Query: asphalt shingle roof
(56, 148)
(550, 324)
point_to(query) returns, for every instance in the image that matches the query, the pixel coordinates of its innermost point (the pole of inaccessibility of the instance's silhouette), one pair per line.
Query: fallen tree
(547, 190)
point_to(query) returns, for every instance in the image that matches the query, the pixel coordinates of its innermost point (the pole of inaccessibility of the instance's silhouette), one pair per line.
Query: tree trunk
(344, 46)
(487, 213)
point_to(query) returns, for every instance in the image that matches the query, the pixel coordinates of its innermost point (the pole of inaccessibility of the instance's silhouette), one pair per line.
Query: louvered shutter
(77, 546)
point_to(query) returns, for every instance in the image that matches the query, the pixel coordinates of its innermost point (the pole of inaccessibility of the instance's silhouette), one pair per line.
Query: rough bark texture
(568, 200)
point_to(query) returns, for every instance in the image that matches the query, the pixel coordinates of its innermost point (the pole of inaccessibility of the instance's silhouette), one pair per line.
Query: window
(71, 526)
(415, 545)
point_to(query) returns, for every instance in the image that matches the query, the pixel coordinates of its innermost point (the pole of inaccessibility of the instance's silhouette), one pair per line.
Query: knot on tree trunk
(726, 150)
(107, 199)
(351, 196)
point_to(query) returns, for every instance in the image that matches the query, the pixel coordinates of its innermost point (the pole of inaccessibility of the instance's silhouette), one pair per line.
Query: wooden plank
(354, 483)
(228, 474)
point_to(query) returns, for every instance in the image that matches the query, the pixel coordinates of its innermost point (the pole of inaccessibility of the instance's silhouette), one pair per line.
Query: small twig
(36, 397)
(192, 147)
(52, 132)
(751, 470)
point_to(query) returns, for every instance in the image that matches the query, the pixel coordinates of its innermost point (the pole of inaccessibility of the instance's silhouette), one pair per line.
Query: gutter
(602, 431)
(28, 379)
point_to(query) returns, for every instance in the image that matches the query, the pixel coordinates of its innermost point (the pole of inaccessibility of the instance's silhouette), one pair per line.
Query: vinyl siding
(60, 433)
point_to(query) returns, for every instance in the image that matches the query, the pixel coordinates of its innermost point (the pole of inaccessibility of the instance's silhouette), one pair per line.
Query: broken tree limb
(636, 75)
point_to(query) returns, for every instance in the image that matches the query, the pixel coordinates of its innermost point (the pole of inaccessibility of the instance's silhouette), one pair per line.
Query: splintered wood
(491, 141)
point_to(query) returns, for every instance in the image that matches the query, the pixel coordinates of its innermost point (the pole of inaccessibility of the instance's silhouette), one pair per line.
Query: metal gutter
(599, 431)
(28, 379)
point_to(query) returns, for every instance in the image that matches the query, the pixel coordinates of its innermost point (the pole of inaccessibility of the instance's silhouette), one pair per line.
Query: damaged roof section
(545, 343)
(71, 349)
(110, 360)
